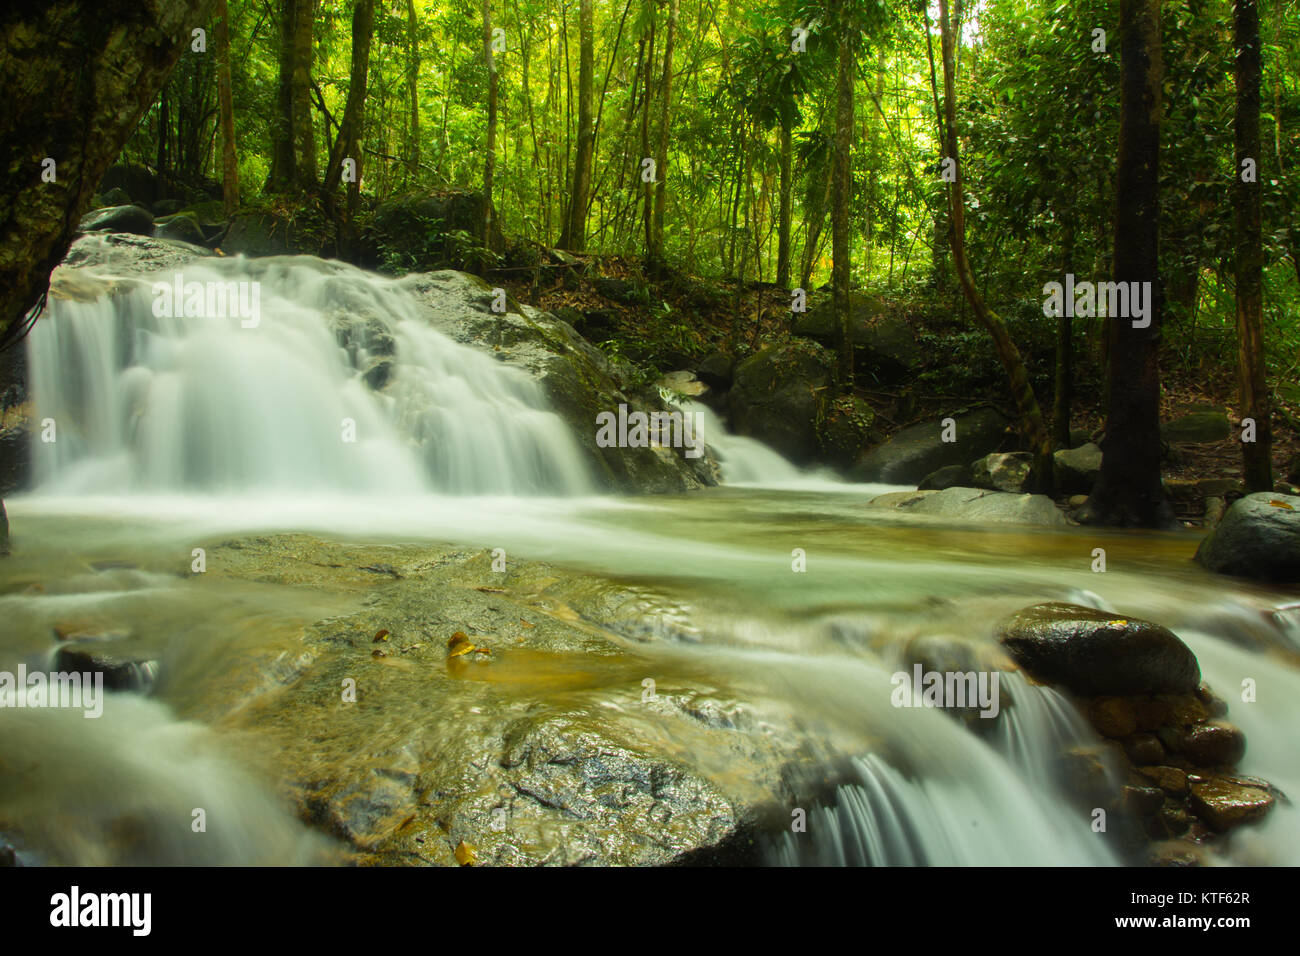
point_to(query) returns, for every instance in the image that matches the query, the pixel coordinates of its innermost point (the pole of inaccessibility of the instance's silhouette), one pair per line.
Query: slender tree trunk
(1129, 491)
(347, 145)
(304, 141)
(490, 161)
(412, 90)
(783, 215)
(1022, 391)
(229, 161)
(1256, 455)
(841, 191)
(1064, 352)
(647, 188)
(661, 151)
(575, 230)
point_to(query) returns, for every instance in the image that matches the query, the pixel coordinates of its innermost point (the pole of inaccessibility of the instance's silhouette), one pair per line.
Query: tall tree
(842, 188)
(1129, 491)
(229, 161)
(412, 90)
(1256, 455)
(575, 228)
(293, 144)
(661, 150)
(490, 160)
(1022, 391)
(347, 144)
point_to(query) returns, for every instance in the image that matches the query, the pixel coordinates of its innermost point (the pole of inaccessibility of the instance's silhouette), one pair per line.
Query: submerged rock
(1259, 537)
(1094, 652)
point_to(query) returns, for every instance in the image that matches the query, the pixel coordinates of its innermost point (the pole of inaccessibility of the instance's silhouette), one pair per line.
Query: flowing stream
(173, 431)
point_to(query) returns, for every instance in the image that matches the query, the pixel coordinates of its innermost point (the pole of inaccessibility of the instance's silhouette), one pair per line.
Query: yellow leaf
(465, 854)
(1281, 504)
(381, 636)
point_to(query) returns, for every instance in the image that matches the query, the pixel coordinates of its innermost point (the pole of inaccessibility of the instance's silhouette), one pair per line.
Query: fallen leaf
(381, 636)
(1281, 504)
(465, 854)
(487, 590)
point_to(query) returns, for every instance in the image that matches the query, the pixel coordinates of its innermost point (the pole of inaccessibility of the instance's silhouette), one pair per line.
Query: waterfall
(336, 383)
(742, 460)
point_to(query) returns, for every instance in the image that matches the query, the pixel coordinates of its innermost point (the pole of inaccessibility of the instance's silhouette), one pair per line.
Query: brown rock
(1112, 716)
(1169, 779)
(1143, 801)
(1213, 744)
(1144, 749)
(1223, 803)
(1151, 714)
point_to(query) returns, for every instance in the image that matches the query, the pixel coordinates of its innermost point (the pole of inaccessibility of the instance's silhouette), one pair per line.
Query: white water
(148, 403)
(173, 430)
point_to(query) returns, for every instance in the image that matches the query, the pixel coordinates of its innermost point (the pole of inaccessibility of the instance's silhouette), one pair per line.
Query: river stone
(1224, 803)
(181, 227)
(780, 395)
(1003, 471)
(1094, 652)
(916, 451)
(1197, 428)
(1213, 744)
(117, 196)
(1259, 537)
(132, 219)
(120, 672)
(975, 504)
(1077, 469)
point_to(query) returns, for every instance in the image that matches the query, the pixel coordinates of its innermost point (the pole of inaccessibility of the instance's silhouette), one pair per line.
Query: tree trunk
(304, 141)
(842, 180)
(1256, 455)
(348, 143)
(661, 151)
(490, 162)
(1129, 492)
(1064, 353)
(574, 237)
(412, 90)
(281, 174)
(783, 216)
(229, 161)
(1031, 417)
(77, 76)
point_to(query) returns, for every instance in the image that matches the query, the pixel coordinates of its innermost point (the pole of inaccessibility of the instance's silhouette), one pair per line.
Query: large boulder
(1259, 537)
(132, 219)
(270, 232)
(975, 504)
(916, 451)
(1094, 652)
(1077, 469)
(579, 380)
(1003, 471)
(182, 227)
(885, 347)
(780, 395)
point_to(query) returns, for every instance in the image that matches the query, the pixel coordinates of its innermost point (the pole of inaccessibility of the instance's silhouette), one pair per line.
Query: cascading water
(336, 385)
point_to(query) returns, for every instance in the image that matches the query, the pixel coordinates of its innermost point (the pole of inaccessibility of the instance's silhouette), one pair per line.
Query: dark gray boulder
(132, 219)
(1077, 469)
(884, 345)
(1094, 652)
(779, 395)
(916, 451)
(1259, 537)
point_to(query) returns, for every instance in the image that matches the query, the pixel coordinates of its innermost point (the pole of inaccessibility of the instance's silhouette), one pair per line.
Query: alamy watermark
(1122, 300)
(643, 429)
(209, 300)
(950, 689)
(57, 689)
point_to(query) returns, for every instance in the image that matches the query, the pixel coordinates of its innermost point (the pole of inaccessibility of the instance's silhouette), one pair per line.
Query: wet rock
(1143, 801)
(1077, 469)
(130, 219)
(1212, 744)
(716, 370)
(1003, 471)
(1143, 748)
(845, 430)
(975, 504)
(916, 451)
(1112, 716)
(120, 673)
(1171, 780)
(1259, 537)
(779, 396)
(1224, 803)
(116, 196)
(1197, 428)
(1087, 774)
(1097, 653)
(181, 227)
(950, 476)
